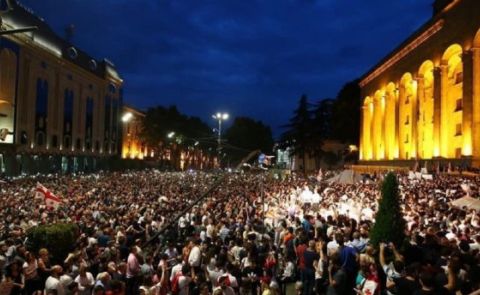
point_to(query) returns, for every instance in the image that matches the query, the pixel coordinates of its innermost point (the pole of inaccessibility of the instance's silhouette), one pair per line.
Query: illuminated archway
(8, 74)
(476, 40)
(406, 101)
(425, 110)
(452, 103)
(476, 97)
(367, 129)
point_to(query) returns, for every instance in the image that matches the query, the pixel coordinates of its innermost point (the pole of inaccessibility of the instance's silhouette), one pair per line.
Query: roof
(132, 109)
(21, 16)
(431, 27)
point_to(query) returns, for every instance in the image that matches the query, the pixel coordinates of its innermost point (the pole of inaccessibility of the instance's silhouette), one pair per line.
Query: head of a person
(98, 290)
(117, 287)
(340, 239)
(133, 249)
(311, 244)
(399, 266)
(426, 280)
(104, 277)
(185, 269)
(56, 271)
(43, 253)
(82, 270)
(298, 288)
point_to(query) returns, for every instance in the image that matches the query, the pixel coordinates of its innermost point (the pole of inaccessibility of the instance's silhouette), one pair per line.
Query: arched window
(40, 138)
(67, 142)
(54, 141)
(23, 137)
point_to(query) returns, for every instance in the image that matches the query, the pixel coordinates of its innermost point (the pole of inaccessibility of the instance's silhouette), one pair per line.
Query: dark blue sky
(247, 57)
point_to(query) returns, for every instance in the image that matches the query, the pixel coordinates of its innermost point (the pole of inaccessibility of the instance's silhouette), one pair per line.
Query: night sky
(247, 57)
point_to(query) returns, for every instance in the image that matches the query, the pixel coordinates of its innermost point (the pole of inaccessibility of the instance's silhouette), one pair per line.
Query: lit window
(407, 120)
(458, 153)
(459, 78)
(459, 105)
(458, 129)
(407, 99)
(406, 138)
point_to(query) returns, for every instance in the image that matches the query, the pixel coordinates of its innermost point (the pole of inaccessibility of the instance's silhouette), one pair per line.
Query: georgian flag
(51, 201)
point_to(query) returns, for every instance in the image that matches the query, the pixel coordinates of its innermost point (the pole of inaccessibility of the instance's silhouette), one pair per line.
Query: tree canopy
(245, 135)
(159, 121)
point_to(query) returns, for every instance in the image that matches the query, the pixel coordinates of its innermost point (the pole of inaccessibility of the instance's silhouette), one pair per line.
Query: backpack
(175, 286)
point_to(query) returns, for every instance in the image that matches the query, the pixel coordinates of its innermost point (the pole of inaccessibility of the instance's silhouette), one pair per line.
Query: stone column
(467, 104)
(373, 137)
(384, 106)
(386, 127)
(397, 124)
(419, 124)
(440, 77)
(362, 142)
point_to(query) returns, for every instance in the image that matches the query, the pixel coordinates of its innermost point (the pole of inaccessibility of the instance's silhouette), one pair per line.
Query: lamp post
(220, 117)
(126, 118)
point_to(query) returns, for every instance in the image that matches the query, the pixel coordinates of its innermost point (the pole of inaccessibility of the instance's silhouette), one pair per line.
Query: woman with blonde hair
(44, 266)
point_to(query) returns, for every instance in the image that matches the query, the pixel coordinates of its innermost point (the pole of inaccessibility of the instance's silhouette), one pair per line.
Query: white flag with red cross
(51, 201)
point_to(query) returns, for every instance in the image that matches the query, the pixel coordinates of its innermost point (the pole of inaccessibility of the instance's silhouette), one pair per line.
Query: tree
(246, 135)
(389, 222)
(58, 238)
(322, 128)
(299, 131)
(323, 122)
(331, 159)
(190, 132)
(346, 113)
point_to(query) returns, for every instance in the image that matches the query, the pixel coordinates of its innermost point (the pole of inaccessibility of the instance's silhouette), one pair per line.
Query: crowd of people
(254, 234)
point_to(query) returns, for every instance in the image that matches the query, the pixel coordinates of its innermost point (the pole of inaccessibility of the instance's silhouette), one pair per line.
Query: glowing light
(221, 116)
(171, 134)
(467, 150)
(48, 46)
(127, 117)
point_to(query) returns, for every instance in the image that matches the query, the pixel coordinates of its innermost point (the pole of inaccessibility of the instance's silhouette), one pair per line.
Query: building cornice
(404, 51)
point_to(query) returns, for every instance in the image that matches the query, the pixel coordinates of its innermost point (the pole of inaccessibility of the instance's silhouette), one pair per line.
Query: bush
(59, 239)
(389, 223)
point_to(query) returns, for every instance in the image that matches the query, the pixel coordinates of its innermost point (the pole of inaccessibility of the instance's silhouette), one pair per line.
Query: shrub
(389, 223)
(59, 239)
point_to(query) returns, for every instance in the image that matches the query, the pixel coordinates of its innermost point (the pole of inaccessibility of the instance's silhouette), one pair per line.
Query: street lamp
(126, 146)
(220, 117)
(171, 134)
(127, 117)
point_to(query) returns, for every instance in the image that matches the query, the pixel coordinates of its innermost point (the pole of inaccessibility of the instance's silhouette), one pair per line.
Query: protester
(252, 235)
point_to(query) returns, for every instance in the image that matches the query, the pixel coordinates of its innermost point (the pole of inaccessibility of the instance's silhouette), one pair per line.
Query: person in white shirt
(332, 247)
(53, 281)
(195, 257)
(178, 264)
(85, 281)
(476, 244)
(184, 281)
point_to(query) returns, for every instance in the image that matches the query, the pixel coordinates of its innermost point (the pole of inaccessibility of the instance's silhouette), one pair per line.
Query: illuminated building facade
(423, 100)
(133, 147)
(59, 107)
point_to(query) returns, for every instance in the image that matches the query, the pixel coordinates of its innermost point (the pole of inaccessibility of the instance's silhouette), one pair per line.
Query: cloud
(248, 57)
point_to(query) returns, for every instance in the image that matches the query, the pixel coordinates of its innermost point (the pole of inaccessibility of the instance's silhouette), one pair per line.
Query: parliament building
(422, 101)
(60, 108)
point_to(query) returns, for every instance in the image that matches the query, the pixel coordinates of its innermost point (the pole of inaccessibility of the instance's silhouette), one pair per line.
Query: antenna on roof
(69, 32)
